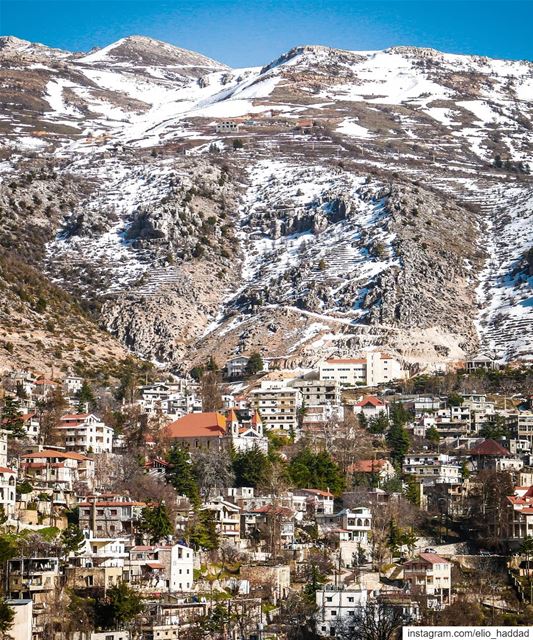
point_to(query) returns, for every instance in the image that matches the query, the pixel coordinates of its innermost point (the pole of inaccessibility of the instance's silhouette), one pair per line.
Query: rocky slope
(366, 199)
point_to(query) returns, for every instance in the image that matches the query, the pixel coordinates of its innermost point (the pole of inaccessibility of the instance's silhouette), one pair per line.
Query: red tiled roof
(490, 447)
(7, 470)
(75, 416)
(198, 425)
(366, 466)
(376, 402)
(155, 565)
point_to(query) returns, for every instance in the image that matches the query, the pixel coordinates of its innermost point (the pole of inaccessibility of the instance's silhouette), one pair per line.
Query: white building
(8, 479)
(167, 567)
(432, 469)
(52, 468)
(370, 370)
(85, 432)
(72, 384)
(277, 404)
(336, 603)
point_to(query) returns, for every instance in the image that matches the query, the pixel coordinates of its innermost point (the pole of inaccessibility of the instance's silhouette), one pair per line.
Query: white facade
(338, 603)
(370, 370)
(433, 469)
(86, 432)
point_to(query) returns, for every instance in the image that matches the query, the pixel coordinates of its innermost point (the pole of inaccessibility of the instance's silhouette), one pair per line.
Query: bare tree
(374, 622)
(212, 468)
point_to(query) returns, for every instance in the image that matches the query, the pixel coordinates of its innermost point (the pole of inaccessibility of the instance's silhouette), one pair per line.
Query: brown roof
(110, 503)
(428, 558)
(490, 447)
(198, 425)
(346, 361)
(49, 453)
(366, 466)
(75, 416)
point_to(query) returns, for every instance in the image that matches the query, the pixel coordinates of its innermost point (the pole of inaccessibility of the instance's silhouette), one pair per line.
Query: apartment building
(432, 469)
(369, 370)
(336, 603)
(278, 405)
(51, 468)
(110, 515)
(85, 432)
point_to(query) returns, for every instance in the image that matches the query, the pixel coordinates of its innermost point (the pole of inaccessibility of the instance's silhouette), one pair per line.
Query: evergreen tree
(85, 397)
(255, 363)
(316, 471)
(379, 424)
(121, 605)
(6, 618)
(398, 441)
(250, 467)
(11, 418)
(180, 474)
(433, 435)
(73, 540)
(398, 414)
(203, 531)
(156, 522)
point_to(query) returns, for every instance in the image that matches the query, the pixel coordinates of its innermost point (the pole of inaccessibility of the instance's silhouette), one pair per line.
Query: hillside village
(266, 343)
(248, 500)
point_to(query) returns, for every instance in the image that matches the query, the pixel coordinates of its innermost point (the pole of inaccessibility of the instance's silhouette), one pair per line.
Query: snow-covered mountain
(352, 199)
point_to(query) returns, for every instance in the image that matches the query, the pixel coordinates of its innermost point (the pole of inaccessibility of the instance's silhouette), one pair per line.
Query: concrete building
(168, 567)
(110, 516)
(369, 370)
(85, 432)
(432, 469)
(32, 578)
(338, 603)
(22, 620)
(278, 405)
(429, 575)
(51, 468)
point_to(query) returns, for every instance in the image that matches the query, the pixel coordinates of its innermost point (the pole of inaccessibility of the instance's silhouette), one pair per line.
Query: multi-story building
(50, 468)
(429, 575)
(227, 518)
(33, 578)
(317, 393)
(369, 370)
(236, 367)
(278, 405)
(85, 432)
(521, 426)
(338, 605)
(432, 469)
(350, 525)
(168, 567)
(8, 479)
(110, 515)
(520, 515)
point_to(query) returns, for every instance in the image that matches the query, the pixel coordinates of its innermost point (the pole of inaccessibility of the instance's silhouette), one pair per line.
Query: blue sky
(243, 33)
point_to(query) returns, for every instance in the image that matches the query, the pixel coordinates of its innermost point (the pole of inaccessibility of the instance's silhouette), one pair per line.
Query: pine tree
(250, 467)
(86, 397)
(255, 363)
(121, 605)
(180, 473)
(398, 441)
(156, 522)
(316, 471)
(73, 540)
(11, 418)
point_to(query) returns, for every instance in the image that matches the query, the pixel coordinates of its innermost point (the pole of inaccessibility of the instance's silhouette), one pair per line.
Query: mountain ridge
(309, 260)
